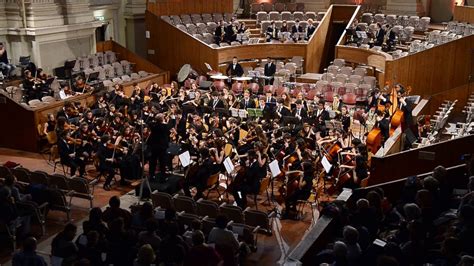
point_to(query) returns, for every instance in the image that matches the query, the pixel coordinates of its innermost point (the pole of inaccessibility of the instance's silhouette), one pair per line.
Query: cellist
(302, 191)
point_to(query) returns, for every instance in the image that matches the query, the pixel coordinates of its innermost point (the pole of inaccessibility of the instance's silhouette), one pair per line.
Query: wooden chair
(263, 189)
(312, 201)
(213, 184)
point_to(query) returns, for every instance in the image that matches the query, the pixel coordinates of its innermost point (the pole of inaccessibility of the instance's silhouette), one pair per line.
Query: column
(134, 15)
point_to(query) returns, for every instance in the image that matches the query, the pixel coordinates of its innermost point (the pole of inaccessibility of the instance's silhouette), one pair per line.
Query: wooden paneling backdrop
(464, 14)
(171, 48)
(178, 7)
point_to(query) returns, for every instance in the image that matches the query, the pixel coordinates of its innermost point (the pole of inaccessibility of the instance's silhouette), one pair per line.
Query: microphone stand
(145, 180)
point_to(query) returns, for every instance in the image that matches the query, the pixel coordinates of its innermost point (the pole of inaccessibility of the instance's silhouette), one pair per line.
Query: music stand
(222, 112)
(93, 76)
(68, 66)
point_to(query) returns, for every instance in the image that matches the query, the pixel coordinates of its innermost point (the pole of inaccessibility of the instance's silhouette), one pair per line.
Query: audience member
(27, 256)
(114, 211)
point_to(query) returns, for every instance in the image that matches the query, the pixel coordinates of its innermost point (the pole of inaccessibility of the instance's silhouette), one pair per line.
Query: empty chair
(291, 7)
(111, 57)
(176, 20)
(360, 71)
(196, 18)
(101, 71)
(59, 181)
(408, 32)
(167, 19)
(321, 85)
(126, 78)
(267, 7)
(347, 70)
(217, 17)
(391, 19)
(298, 15)
(333, 70)
(327, 77)
(256, 218)
(58, 202)
(264, 25)
(134, 76)
(81, 189)
(108, 83)
(274, 15)
(414, 21)
(362, 92)
(207, 208)
(127, 69)
(48, 99)
(339, 62)
(262, 16)
(201, 28)
(94, 61)
(424, 23)
(367, 18)
(363, 26)
(341, 78)
(191, 28)
(286, 15)
(235, 43)
(310, 15)
(233, 213)
(109, 71)
(379, 18)
(142, 73)
(39, 178)
(117, 81)
(162, 200)
(211, 27)
(184, 203)
(34, 103)
(370, 80)
(279, 7)
(356, 79)
(224, 44)
(182, 27)
(206, 18)
(186, 219)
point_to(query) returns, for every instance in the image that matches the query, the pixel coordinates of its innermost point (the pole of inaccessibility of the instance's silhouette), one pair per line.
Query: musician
(345, 119)
(296, 30)
(234, 69)
(270, 101)
(243, 32)
(269, 71)
(108, 162)
(80, 85)
(199, 177)
(284, 31)
(230, 32)
(256, 170)
(247, 102)
(282, 110)
(321, 116)
(380, 35)
(50, 125)
(30, 85)
(336, 104)
(310, 30)
(5, 67)
(383, 123)
(272, 32)
(159, 142)
(138, 96)
(299, 112)
(216, 102)
(219, 32)
(302, 192)
(66, 92)
(68, 156)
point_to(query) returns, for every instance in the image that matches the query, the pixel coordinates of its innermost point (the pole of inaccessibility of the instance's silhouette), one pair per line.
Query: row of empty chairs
(94, 60)
(419, 24)
(277, 7)
(197, 18)
(263, 16)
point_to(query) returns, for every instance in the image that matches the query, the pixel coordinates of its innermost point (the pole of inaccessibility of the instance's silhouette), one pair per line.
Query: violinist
(66, 92)
(138, 96)
(107, 160)
(256, 170)
(83, 140)
(89, 119)
(68, 156)
(80, 85)
(304, 185)
(345, 119)
(69, 111)
(30, 84)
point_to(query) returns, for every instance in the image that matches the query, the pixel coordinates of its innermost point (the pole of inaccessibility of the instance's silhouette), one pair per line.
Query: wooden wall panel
(178, 7)
(464, 14)
(315, 47)
(432, 71)
(260, 51)
(385, 169)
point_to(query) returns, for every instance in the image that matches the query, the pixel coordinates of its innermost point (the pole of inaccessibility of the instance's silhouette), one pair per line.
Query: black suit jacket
(379, 38)
(64, 150)
(270, 70)
(303, 113)
(250, 104)
(323, 116)
(218, 32)
(310, 31)
(238, 71)
(295, 29)
(284, 111)
(160, 135)
(220, 104)
(270, 33)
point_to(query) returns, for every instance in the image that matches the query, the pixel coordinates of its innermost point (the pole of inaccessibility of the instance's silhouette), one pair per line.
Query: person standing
(5, 67)
(158, 142)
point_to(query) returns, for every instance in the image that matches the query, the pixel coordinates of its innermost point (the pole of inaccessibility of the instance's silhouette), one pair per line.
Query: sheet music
(326, 164)
(185, 158)
(242, 113)
(229, 166)
(274, 168)
(345, 194)
(234, 112)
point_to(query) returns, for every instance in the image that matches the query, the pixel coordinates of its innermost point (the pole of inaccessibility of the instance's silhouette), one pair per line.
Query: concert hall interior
(236, 132)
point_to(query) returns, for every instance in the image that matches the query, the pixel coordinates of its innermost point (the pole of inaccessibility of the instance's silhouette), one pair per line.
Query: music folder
(229, 166)
(274, 168)
(185, 159)
(255, 112)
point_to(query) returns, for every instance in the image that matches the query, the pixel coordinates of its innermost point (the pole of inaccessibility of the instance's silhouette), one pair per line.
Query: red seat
(349, 99)
(218, 85)
(279, 91)
(237, 88)
(254, 87)
(341, 91)
(268, 88)
(311, 93)
(329, 96)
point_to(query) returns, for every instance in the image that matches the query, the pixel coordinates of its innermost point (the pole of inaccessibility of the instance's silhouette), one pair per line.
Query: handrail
(354, 16)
